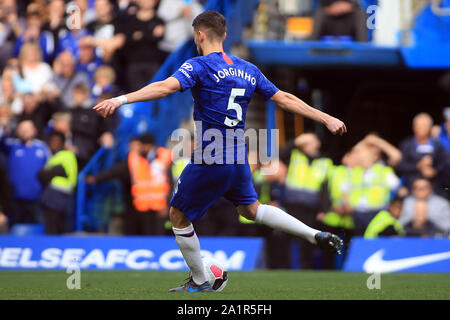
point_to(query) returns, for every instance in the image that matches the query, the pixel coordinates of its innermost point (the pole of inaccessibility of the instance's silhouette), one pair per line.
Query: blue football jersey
(222, 86)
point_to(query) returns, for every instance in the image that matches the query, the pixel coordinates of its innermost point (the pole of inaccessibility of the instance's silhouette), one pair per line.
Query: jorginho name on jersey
(222, 86)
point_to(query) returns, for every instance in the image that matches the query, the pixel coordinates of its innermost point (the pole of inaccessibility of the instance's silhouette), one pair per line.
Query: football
(216, 274)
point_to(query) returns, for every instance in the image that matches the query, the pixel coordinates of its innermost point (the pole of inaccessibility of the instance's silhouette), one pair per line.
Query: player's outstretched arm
(153, 91)
(293, 104)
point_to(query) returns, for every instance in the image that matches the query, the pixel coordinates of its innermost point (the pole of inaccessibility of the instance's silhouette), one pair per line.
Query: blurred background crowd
(58, 58)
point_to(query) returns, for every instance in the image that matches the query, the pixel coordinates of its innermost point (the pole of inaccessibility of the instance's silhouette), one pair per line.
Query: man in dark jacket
(89, 130)
(422, 156)
(337, 18)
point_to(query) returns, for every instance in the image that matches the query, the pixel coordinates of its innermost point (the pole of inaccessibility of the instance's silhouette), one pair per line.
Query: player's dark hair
(212, 22)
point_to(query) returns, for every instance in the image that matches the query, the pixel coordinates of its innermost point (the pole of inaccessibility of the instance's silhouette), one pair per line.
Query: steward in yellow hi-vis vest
(369, 188)
(60, 177)
(307, 173)
(336, 217)
(68, 161)
(383, 224)
(339, 214)
(305, 193)
(386, 223)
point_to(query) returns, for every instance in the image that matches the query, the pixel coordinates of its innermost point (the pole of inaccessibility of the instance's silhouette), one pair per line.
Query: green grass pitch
(257, 285)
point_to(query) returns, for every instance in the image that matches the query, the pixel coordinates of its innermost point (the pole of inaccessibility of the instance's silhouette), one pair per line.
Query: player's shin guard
(190, 248)
(278, 219)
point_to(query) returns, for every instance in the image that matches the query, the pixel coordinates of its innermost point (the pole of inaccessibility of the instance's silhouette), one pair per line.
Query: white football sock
(190, 248)
(278, 219)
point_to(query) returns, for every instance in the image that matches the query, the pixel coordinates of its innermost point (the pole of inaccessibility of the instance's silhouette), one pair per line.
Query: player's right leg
(198, 187)
(189, 245)
(278, 219)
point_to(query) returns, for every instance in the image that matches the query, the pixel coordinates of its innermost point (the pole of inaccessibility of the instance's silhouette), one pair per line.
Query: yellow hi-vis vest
(68, 161)
(372, 194)
(381, 222)
(305, 176)
(339, 176)
(178, 167)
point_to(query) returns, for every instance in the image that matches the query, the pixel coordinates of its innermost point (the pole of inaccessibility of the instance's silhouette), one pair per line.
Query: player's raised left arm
(153, 91)
(293, 104)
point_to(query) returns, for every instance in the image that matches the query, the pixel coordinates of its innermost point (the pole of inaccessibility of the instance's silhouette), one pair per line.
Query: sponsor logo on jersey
(187, 66)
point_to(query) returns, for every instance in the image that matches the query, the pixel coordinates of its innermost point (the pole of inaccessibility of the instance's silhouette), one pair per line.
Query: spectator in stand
(142, 33)
(59, 178)
(33, 33)
(8, 94)
(425, 213)
(178, 16)
(423, 156)
(5, 199)
(88, 61)
(11, 27)
(103, 31)
(38, 113)
(442, 135)
(25, 157)
(56, 24)
(145, 177)
(104, 79)
(380, 147)
(7, 124)
(71, 40)
(339, 19)
(61, 122)
(81, 97)
(33, 70)
(66, 78)
(442, 132)
(89, 130)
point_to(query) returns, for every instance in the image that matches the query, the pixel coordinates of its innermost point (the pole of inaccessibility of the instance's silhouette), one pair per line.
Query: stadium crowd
(56, 65)
(57, 59)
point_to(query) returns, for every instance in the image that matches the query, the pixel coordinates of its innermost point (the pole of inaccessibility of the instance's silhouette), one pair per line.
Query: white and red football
(216, 274)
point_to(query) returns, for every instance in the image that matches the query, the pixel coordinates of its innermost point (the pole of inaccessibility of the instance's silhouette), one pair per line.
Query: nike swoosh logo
(376, 264)
(198, 289)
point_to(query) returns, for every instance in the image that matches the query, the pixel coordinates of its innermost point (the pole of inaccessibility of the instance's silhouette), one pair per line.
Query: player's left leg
(278, 219)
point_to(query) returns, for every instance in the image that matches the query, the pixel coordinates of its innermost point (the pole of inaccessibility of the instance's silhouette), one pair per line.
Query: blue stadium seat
(27, 229)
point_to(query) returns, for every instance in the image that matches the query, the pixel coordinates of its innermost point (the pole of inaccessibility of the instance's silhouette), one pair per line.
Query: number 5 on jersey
(234, 106)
